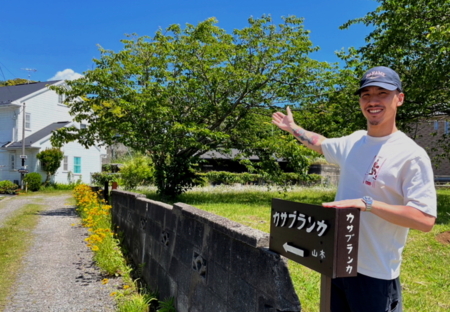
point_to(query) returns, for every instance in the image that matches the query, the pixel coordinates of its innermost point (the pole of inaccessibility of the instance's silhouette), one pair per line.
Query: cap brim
(383, 85)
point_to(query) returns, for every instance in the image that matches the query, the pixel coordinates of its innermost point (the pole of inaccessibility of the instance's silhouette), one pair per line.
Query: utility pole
(23, 169)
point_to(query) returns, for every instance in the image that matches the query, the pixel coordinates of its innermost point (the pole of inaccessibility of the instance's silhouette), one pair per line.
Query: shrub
(33, 180)
(58, 186)
(100, 178)
(223, 177)
(138, 171)
(288, 178)
(50, 161)
(8, 187)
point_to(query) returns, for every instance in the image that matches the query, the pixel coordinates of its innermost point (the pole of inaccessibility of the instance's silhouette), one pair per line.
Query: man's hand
(284, 122)
(309, 139)
(348, 203)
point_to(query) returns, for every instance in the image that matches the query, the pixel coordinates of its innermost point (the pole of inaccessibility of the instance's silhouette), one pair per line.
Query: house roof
(219, 155)
(8, 94)
(38, 135)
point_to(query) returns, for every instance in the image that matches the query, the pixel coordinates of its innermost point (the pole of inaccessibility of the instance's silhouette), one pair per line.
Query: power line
(12, 75)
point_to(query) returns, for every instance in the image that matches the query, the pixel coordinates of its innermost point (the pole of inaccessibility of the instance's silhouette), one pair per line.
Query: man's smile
(374, 110)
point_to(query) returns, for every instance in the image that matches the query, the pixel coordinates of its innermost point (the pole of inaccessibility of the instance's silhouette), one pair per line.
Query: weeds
(105, 243)
(16, 237)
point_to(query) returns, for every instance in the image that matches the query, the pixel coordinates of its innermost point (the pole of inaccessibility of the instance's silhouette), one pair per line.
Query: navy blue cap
(382, 77)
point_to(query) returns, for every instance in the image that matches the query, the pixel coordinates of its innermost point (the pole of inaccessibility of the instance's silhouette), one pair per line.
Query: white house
(44, 112)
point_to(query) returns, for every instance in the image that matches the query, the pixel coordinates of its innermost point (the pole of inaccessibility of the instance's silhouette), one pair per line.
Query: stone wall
(204, 261)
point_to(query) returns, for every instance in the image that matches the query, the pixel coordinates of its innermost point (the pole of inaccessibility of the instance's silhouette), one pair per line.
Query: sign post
(322, 239)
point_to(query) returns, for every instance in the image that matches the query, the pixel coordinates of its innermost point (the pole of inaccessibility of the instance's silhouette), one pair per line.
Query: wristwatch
(368, 201)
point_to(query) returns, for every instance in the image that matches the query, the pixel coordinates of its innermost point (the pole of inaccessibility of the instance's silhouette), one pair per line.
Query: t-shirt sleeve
(331, 150)
(418, 186)
(335, 150)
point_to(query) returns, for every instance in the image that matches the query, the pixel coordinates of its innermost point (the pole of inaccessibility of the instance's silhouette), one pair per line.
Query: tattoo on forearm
(306, 136)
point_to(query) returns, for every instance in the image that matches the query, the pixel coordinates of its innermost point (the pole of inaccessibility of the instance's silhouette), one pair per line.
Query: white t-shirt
(392, 169)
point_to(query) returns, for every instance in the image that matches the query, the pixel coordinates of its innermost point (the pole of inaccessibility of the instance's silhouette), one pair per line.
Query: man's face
(379, 105)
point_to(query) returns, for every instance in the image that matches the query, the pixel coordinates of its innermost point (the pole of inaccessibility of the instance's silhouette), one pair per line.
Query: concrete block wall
(204, 261)
(422, 134)
(330, 173)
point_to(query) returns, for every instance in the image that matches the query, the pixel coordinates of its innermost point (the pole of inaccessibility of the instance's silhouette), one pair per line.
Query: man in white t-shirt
(389, 178)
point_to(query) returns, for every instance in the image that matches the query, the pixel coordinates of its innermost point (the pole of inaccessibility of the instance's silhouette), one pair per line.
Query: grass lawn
(425, 277)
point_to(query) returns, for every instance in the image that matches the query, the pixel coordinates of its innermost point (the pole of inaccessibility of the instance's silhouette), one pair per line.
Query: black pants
(365, 294)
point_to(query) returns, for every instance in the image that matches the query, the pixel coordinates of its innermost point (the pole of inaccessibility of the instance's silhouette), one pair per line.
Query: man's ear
(401, 98)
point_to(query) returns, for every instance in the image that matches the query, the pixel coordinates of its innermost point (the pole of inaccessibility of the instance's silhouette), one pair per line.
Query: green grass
(426, 262)
(425, 277)
(16, 236)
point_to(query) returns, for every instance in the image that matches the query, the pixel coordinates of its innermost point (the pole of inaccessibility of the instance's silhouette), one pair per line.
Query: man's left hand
(348, 203)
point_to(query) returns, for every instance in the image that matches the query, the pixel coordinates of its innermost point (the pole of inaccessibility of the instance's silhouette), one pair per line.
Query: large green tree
(412, 37)
(189, 90)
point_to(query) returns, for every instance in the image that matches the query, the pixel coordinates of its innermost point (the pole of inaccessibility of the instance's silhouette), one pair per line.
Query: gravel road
(58, 272)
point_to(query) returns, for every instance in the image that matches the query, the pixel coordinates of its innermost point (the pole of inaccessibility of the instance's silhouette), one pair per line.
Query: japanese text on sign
(299, 221)
(350, 236)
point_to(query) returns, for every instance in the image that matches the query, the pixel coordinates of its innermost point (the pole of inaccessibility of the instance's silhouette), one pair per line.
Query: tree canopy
(189, 90)
(13, 82)
(411, 36)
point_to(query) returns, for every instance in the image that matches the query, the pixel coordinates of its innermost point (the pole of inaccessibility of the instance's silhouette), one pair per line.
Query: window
(61, 98)
(77, 165)
(66, 163)
(12, 161)
(436, 125)
(27, 120)
(446, 127)
(83, 126)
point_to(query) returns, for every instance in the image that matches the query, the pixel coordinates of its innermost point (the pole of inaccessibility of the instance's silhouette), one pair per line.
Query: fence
(204, 261)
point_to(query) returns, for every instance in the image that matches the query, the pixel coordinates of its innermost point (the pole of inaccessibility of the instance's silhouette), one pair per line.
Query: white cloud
(66, 74)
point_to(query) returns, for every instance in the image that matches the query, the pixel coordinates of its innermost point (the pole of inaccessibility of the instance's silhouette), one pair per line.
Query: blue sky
(59, 38)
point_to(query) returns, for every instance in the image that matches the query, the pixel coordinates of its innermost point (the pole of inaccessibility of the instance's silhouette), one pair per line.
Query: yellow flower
(105, 281)
(126, 286)
(95, 248)
(113, 294)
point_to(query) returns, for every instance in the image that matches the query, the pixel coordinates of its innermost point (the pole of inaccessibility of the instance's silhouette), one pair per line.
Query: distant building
(45, 112)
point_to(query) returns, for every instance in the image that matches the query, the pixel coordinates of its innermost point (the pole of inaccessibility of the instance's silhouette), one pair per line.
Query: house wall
(8, 122)
(5, 171)
(44, 110)
(90, 163)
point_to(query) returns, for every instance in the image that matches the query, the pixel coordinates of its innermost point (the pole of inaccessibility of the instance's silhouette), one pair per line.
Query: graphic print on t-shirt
(371, 176)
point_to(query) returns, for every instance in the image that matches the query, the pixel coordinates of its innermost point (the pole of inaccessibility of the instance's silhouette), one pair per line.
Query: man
(389, 178)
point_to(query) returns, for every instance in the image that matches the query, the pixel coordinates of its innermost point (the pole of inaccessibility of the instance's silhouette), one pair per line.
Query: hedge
(229, 178)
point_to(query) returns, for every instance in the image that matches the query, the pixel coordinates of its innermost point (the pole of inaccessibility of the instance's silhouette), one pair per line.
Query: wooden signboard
(322, 239)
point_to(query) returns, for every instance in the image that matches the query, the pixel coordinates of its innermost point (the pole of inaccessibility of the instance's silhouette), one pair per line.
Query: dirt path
(58, 272)
(8, 206)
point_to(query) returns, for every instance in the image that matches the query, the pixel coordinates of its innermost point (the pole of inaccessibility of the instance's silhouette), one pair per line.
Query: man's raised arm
(309, 139)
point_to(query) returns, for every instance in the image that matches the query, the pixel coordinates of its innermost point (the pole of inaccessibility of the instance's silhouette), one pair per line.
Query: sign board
(23, 170)
(23, 156)
(322, 239)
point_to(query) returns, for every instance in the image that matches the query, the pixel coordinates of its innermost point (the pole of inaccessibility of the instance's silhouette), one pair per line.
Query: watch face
(368, 200)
